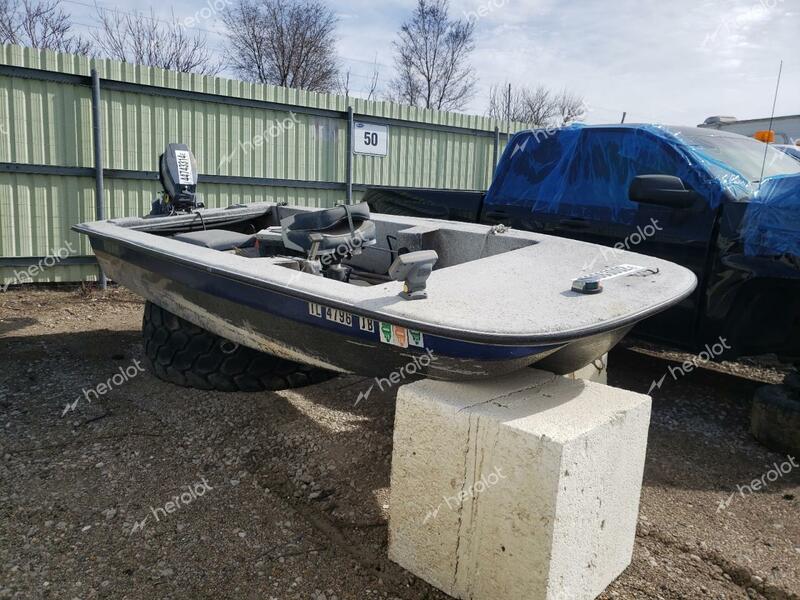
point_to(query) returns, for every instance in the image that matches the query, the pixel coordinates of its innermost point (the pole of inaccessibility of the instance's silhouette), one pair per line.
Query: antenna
(771, 119)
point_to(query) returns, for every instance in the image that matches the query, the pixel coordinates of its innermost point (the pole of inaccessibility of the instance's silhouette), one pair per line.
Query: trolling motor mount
(177, 171)
(413, 269)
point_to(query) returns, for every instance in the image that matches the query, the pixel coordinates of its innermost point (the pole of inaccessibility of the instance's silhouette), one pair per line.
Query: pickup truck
(724, 205)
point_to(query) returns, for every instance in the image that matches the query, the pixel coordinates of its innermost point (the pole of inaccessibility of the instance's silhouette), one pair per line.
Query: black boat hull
(296, 329)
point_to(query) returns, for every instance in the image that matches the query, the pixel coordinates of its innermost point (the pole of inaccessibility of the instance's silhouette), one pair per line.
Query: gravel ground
(285, 495)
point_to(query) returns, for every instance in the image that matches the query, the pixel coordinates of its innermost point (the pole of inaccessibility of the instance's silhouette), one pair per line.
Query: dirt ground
(285, 495)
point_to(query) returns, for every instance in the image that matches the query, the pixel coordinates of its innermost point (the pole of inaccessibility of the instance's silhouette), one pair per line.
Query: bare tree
(290, 43)
(373, 81)
(432, 59)
(344, 85)
(534, 106)
(538, 106)
(146, 40)
(39, 24)
(505, 103)
(570, 107)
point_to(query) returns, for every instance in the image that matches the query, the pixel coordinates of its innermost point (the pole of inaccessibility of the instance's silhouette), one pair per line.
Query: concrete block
(524, 487)
(775, 418)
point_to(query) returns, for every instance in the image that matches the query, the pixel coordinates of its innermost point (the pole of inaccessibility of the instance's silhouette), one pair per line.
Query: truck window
(605, 163)
(745, 155)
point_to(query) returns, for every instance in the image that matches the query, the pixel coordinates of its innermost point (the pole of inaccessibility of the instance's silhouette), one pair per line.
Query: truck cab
(724, 205)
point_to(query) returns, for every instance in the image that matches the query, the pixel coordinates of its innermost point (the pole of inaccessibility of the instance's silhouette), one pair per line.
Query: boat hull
(294, 328)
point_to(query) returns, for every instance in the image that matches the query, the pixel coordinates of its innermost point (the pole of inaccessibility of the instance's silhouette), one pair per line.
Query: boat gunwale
(562, 337)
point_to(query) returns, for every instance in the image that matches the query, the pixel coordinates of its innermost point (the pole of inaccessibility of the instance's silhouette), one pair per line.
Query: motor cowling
(178, 176)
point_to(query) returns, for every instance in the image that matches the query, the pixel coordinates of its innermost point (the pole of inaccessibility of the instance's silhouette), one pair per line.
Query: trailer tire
(182, 353)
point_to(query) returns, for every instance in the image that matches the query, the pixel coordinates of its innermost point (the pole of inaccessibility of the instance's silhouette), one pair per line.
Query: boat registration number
(394, 335)
(341, 317)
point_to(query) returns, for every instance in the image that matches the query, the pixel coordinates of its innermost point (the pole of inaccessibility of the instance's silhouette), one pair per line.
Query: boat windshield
(743, 154)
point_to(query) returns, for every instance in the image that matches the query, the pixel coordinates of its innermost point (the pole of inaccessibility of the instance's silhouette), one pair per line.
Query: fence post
(350, 154)
(496, 145)
(97, 130)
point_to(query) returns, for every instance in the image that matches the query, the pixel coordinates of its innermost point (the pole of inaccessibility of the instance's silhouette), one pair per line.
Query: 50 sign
(370, 139)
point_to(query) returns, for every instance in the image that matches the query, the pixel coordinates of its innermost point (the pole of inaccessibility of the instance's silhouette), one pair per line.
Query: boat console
(325, 239)
(321, 242)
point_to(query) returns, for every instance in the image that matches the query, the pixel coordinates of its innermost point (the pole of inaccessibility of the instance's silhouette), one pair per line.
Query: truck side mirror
(661, 190)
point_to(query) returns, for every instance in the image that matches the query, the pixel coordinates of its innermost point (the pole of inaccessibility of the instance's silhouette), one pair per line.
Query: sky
(663, 61)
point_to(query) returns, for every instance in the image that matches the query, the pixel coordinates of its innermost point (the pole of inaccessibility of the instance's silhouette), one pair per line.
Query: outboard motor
(178, 175)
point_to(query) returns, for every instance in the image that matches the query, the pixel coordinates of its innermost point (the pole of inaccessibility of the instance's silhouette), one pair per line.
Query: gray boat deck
(520, 294)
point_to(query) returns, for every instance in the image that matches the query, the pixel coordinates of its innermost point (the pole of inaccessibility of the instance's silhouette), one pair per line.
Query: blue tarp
(585, 172)
(772, 221)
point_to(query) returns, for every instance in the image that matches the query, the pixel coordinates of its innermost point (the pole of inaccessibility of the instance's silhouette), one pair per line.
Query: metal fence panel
(236, 129)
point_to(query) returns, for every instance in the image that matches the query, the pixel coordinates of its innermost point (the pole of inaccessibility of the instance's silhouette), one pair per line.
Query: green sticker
(386, 331)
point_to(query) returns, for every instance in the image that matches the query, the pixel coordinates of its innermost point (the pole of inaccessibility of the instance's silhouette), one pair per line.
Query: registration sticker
(415, 338)
(400, 336)
(394, 335)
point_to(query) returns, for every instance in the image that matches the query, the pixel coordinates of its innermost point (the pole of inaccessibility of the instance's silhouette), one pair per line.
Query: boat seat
(326, 230)
(217, 239)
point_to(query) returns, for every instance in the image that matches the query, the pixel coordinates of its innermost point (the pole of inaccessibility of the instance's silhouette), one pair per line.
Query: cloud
(672, 62)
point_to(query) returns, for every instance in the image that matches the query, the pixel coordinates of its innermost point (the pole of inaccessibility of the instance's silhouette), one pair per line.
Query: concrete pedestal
(526, 487)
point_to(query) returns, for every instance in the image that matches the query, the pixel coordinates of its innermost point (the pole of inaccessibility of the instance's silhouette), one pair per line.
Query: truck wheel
(186, 355)
(775, 418)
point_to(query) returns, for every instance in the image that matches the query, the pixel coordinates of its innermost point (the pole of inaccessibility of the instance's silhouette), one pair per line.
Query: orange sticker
(400, 336)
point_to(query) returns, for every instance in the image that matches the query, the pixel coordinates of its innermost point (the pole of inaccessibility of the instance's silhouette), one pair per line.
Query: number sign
(370, 139)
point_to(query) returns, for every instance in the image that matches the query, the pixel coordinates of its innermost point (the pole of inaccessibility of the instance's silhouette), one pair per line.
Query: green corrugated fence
(255, 142)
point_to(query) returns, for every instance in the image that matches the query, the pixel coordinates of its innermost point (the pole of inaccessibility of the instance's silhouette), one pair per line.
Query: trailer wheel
(179, 352)
(775, 418)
